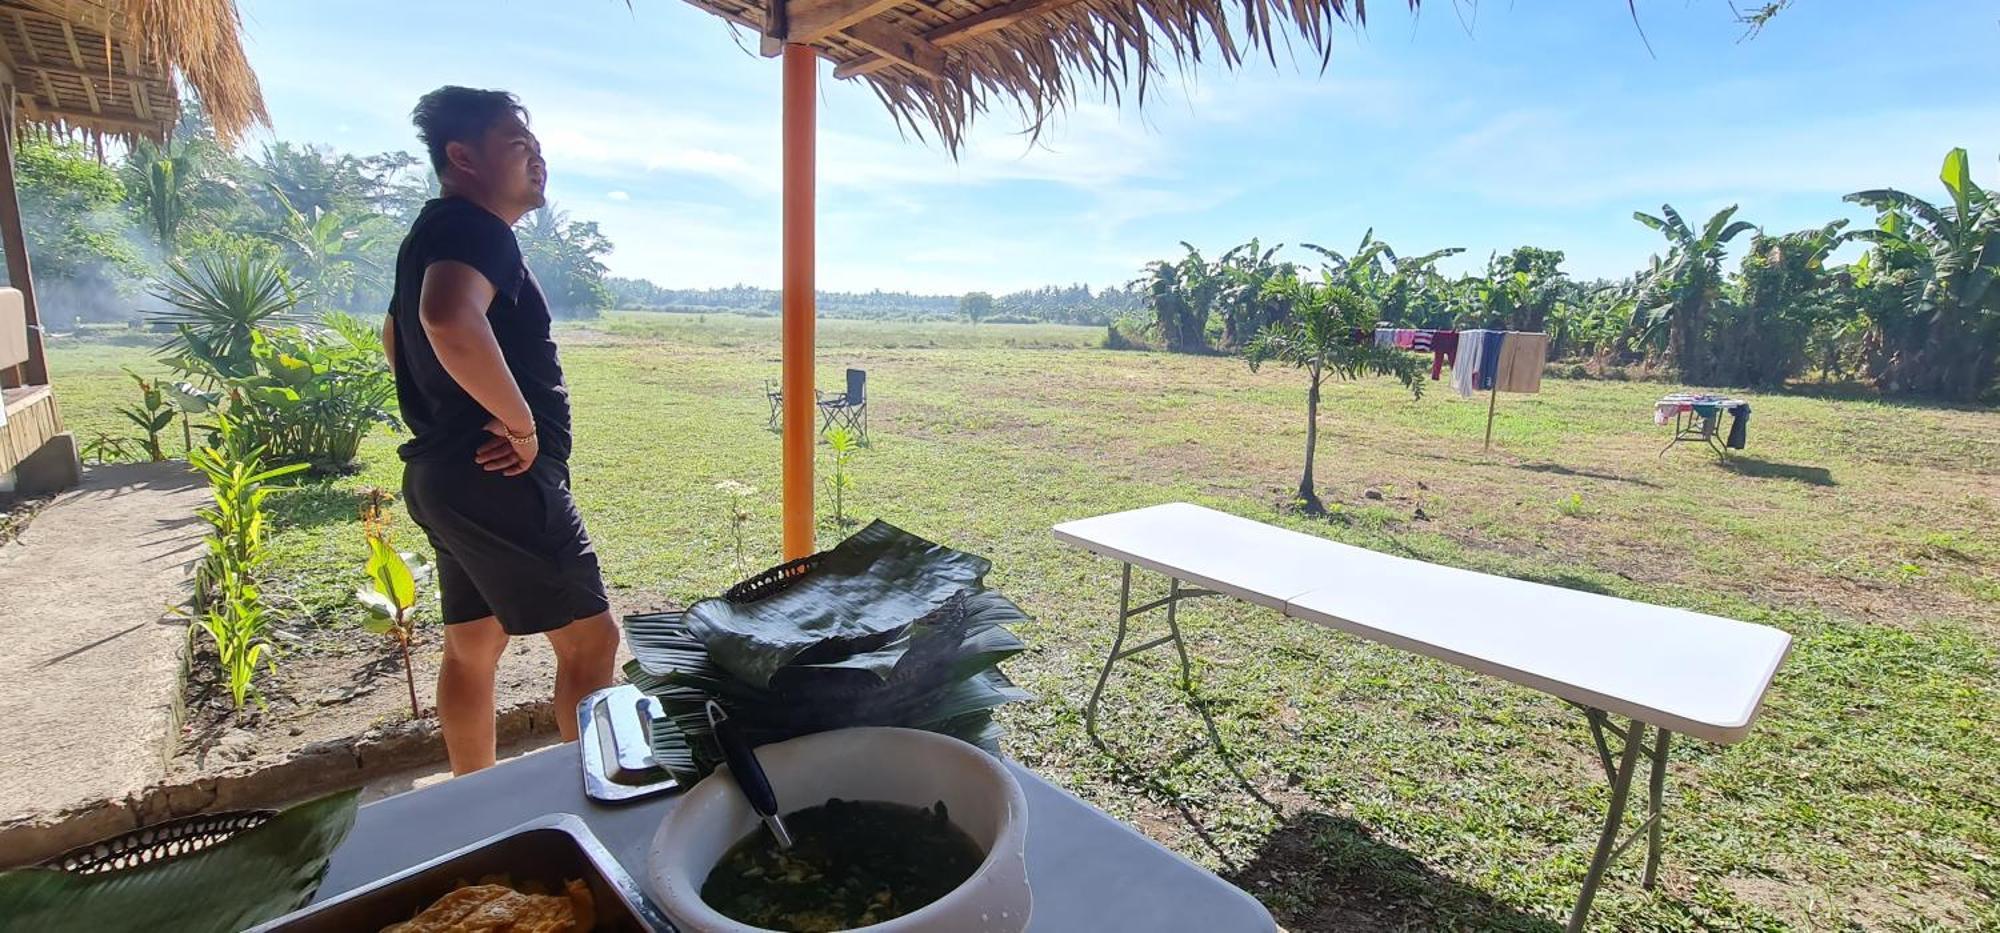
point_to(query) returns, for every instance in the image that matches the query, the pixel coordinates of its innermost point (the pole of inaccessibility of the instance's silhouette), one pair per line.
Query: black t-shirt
(445, 421)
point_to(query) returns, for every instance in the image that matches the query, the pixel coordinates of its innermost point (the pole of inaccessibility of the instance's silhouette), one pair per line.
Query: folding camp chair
(776, 395)
(848, 409)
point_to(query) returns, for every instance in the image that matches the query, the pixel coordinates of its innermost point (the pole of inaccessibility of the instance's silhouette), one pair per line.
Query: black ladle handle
(749, 774)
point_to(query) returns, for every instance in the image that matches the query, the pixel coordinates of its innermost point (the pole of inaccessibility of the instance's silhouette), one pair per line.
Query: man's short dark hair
(453, 114)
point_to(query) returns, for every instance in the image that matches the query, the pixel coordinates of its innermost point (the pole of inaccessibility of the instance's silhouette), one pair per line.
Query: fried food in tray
(496, 906)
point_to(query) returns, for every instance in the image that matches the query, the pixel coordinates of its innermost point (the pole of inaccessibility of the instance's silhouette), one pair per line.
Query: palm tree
(1950, 338)
(1689, 282)
(1319, 339)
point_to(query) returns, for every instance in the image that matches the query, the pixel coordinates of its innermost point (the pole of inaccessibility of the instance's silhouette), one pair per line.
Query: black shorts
(512, 547)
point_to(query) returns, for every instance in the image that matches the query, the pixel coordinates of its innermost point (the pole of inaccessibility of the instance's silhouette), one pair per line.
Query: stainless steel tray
(617, 760)
(551, 850)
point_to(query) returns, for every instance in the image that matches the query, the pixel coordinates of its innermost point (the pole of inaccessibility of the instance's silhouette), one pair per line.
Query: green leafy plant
(228, 604)
(394, 580)
(885, 629)
(105, 448)
(841, 446)
(153, 414)
(309, 395)
(1572, 507)
(1318, 340)
(219, 301)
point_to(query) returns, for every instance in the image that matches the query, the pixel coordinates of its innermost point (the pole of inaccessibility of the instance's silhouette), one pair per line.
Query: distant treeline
(1052, 304)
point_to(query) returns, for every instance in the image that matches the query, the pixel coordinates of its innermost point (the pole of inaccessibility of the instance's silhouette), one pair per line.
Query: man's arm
(452, 308)
(389, 340)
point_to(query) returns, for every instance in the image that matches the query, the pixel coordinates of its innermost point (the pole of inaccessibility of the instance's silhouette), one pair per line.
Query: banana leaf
(848, 610)
(256, 875)
(943, 680)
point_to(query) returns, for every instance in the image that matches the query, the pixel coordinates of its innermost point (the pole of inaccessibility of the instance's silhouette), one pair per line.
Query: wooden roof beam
(812, 20)
(897, 46)
(950, 34)
(21, 29)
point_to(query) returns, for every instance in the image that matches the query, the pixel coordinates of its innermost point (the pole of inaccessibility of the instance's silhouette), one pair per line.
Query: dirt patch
(335, 684)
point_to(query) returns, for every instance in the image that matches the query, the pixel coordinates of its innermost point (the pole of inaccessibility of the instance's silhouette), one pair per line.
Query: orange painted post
(801, 74)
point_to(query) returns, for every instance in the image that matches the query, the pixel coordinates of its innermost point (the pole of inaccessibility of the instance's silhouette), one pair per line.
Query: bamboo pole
(800, 75)
(1492, 400)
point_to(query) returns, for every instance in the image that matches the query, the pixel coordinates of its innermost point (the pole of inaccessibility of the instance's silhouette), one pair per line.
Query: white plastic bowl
(903, 766)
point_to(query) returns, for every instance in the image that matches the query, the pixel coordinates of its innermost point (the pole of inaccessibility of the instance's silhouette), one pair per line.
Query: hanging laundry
(1489, 358)
(1385, 336)
(1444, 349)
(1405, 338)
(1422, 342)
(1739, 425)
(1520, 366)
(1465, 369)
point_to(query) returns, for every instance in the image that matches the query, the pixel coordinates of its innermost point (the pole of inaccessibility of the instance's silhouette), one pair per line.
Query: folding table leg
(1607, 840)
(1104, 676)
(1653, 813)
(1187, 674)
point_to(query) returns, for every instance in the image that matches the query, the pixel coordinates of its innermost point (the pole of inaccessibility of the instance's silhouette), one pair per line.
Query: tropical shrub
(228, 604)
(308, 395)
(217, 302)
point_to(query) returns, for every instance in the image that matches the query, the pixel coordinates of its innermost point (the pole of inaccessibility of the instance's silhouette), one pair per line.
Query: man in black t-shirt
(486, 472)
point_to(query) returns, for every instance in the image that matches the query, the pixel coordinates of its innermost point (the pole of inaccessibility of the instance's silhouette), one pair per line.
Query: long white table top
(1699, 675)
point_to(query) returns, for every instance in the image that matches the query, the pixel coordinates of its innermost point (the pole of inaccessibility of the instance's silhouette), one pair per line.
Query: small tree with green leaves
(842, 444)
(153, 414)
(976, 306)
(1319, 340)
(394, 578)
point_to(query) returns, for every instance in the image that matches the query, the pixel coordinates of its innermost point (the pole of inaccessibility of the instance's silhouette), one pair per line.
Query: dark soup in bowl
(851, 864)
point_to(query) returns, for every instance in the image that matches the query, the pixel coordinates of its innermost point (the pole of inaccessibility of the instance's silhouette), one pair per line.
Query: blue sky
(1546, 122)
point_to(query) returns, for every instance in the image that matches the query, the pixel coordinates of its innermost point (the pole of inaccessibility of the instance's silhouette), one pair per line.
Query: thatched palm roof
(108, 67)
(938, 63)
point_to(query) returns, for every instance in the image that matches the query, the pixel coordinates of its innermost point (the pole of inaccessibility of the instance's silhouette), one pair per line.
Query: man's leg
(465, 692)
(586, 651)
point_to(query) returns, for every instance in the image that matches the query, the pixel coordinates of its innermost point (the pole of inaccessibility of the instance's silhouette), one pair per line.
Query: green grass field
(1390, 792)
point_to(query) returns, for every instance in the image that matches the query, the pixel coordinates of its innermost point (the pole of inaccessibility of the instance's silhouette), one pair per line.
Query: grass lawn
(1403, 793)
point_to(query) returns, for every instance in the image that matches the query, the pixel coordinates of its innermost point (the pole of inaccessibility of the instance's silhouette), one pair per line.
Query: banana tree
(1318, 339)
(1180, 296)
(1949, 343)
(1241, 296)
(1785, 294)
(1686, 286)
(330, 249)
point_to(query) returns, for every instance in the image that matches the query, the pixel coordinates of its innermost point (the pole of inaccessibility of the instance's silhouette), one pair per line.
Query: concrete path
(89, 654)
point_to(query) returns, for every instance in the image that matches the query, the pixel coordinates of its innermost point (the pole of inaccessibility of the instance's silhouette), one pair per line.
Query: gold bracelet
(518, 440)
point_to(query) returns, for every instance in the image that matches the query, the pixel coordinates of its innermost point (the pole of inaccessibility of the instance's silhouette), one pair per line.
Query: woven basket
(160, 842)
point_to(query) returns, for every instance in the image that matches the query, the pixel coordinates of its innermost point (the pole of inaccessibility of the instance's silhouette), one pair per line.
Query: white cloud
(618, 196)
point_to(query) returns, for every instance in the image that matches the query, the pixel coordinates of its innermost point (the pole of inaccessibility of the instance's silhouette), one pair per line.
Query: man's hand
(506, 455)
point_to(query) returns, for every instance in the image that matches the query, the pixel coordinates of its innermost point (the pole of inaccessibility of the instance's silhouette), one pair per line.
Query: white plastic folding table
(1662, 669)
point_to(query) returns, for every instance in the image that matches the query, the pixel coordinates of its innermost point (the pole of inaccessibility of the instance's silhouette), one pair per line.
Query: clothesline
(1480, 360)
